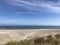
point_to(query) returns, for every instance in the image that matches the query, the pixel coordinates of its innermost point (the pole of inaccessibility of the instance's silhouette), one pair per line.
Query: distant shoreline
(27, 29)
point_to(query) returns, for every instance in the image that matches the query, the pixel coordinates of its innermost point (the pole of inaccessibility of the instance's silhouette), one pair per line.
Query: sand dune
(15, 34)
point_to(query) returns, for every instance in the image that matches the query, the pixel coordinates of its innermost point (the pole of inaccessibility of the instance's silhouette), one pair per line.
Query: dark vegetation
(48, 40)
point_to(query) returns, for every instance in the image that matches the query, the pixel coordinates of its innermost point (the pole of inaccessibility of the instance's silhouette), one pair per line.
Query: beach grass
(46, 40)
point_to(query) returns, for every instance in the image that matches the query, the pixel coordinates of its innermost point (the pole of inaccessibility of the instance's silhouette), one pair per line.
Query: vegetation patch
(47, 40)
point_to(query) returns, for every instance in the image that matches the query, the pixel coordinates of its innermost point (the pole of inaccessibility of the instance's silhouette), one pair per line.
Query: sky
(30, 12)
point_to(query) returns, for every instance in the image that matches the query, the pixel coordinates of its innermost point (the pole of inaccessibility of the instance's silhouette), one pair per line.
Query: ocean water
(29, 27)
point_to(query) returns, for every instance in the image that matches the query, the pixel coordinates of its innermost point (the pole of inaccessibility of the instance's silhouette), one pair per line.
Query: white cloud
(49, 6)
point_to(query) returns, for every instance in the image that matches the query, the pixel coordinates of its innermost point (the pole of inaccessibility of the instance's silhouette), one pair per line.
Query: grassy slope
(46, 40)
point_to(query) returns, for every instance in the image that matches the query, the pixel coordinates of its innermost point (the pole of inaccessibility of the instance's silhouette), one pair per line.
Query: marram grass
(48, 40)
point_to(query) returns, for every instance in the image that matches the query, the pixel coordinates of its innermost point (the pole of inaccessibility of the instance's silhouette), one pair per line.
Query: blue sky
(30, 12)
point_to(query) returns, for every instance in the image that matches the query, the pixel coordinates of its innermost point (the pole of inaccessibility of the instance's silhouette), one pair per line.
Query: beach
(7, 35)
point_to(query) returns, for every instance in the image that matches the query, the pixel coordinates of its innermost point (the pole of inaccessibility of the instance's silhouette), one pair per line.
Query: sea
(30, 27)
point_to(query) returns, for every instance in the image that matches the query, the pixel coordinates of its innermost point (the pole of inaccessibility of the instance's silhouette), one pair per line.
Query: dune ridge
(16, 34)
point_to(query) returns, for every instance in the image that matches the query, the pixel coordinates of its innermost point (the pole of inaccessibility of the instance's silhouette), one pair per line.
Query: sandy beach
(7, 35)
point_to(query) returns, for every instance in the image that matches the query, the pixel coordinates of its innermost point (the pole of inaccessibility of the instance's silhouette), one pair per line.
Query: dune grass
(47, 40)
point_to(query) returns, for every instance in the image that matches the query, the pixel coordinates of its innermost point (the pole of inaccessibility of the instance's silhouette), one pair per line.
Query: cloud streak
(48, 5)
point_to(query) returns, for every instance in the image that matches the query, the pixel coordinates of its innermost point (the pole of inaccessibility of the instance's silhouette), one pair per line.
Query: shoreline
(29, 29)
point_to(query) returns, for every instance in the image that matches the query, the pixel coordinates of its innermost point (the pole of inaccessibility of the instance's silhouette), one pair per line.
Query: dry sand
(7, 35)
